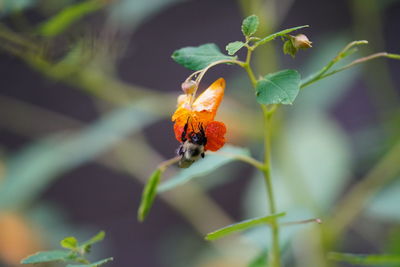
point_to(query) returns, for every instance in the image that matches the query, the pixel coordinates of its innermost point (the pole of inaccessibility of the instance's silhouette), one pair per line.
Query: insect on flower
(194, 124)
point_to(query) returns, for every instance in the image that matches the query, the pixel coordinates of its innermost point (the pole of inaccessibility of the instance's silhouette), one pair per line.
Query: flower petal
(210, 99)
(215, 133)
(178, 130)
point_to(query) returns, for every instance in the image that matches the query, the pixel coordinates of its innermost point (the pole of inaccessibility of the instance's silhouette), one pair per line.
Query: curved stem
(165, 164)
(249, 160)
(323, 73)
(247, 67)
(202, 72)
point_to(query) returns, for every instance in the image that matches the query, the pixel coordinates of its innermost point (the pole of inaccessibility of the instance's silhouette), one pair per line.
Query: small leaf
(365, 259)
(47, 256)
(242, 226)
(95, 239)
(203, 167)
(199, 57)
(94, 264)
(289, 49)
(61, 21)
(278, 88)
(148, 195)
(69, 242)
(250, 25)
(233, 47)
(277, 34)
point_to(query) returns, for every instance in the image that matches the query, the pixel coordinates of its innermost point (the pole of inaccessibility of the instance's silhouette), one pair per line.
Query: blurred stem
(353, 202)
(371, 13)
(92, 80)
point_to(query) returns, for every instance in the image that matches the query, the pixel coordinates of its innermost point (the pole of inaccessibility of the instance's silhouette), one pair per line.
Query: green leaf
(250, 25)
(233, 47)
(69, 242)
(371, 259)
(47, 256)
(149, 194)
(278, 88)
(61, 21)
(94, 264)
(241, 226)
(260, 261)
(46, 159)
(289, 49)
(203, 167)
(277, 34)
(199, 57)
(95, 239)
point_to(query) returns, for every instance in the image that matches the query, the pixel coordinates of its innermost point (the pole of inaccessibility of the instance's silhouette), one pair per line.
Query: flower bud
(301, 41)
(188, 87)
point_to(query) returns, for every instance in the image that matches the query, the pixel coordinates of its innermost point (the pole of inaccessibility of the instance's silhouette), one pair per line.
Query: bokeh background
(85, 105)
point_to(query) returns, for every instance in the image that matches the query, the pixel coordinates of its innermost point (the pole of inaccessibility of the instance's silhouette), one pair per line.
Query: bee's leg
(202, 155)
(183, 136)
(179, 151)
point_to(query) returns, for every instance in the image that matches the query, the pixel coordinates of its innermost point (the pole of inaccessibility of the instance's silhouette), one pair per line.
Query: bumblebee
(192, 146)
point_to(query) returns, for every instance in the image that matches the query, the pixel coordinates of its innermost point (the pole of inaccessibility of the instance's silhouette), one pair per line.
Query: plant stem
(247, 67)
(249, 160)
(274, 258)
(202, 72)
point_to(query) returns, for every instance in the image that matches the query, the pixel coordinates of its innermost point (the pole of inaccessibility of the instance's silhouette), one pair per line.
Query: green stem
(274, 259)
(275, 254)
(247, 67)
(249, 160)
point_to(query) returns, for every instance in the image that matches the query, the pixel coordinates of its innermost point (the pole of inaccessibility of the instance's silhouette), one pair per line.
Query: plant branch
(257, 164)
(362, 60)
(248, 68)
(342, 54)
(165, 164)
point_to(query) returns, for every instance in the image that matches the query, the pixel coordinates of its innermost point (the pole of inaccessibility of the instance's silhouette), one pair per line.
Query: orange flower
(200, 115)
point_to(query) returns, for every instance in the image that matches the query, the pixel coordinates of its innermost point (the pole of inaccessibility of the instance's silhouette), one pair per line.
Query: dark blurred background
(75, 147)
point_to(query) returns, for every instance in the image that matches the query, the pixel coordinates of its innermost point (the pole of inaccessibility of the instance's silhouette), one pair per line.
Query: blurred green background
(86, 93)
